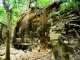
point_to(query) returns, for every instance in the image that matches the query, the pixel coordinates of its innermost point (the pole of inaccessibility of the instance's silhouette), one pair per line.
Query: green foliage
(43, 3)
(2, 14)
(67, 6)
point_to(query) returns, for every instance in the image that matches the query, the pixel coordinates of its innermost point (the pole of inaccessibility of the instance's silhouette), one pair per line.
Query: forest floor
(27, 55)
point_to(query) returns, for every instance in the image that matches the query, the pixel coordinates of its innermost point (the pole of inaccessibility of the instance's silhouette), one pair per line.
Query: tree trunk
(8, 33)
